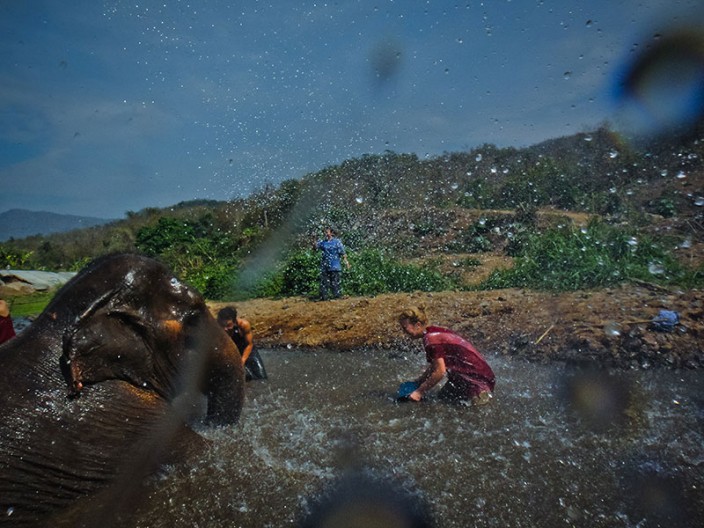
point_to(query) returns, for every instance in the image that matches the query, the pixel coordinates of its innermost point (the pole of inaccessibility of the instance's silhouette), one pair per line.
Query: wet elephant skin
(92, 393)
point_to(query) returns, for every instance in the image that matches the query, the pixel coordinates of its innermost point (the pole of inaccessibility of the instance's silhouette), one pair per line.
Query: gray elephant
(96, 394)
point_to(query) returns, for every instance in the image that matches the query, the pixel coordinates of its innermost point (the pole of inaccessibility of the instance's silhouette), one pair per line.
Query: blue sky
(111, 106)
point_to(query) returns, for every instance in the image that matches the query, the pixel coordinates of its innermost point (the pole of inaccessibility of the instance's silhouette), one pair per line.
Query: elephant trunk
(225, 394)
(222, 378)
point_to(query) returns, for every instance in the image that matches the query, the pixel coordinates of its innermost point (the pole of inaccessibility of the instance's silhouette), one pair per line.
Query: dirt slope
(611, 325)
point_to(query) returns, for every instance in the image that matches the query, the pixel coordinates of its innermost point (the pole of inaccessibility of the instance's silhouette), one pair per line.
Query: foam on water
(526, 459)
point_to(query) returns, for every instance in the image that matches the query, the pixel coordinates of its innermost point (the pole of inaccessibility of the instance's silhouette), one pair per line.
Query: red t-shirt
(461, 358)
(7, 331)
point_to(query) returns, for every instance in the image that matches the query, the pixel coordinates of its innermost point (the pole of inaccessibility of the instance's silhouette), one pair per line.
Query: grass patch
(29, 305)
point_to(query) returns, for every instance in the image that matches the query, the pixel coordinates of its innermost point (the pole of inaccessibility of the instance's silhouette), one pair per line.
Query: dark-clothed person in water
(240, 331)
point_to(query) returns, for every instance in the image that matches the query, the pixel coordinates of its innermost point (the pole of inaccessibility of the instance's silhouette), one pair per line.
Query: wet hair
(229, 313)
(413, 314)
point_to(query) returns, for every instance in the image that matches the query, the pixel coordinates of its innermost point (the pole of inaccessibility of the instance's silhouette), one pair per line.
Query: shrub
(693, 278)
(567, 258)
(195, 250)
(476, 238)
(14, 259)
(215, 280)
(665, 207)
(376, 272)
(299, 275)
(373, 272)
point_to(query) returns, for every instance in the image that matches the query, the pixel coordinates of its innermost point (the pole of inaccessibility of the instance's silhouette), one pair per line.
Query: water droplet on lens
(612, 329)
(656, 268)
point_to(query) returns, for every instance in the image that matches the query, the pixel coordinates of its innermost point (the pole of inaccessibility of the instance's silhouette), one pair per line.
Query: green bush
(195, 250)
(692, 278)
(428, 228)
(215, 280)
(475, 239)
(14, 259)
(665, 207)
(165, 234)
(376, 272)
(567, 258)
(372, 272)
(299, 275)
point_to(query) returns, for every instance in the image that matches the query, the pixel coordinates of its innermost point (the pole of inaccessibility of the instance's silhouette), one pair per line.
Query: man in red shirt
(7, 330)
(469, 376)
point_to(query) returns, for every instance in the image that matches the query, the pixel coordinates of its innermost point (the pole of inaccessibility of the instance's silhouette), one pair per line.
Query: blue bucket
(405, 389)
(666, 321)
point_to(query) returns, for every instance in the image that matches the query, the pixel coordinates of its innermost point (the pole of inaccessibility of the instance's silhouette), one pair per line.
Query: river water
(555, 447)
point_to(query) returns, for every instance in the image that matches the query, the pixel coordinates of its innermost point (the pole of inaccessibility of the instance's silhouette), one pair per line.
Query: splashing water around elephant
(555, 447)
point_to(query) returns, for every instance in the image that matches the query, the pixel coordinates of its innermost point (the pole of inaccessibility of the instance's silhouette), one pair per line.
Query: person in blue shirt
(333, 254)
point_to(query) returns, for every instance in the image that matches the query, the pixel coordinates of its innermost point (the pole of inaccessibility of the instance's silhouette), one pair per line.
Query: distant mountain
(21, 223)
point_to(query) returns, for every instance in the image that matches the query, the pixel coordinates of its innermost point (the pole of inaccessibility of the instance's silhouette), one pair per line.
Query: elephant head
(88, 391)
(152, 331)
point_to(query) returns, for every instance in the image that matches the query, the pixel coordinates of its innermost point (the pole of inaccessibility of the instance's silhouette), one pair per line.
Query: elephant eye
(176, 284)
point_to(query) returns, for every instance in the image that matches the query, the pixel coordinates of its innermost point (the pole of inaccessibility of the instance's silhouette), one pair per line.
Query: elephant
(97, 394)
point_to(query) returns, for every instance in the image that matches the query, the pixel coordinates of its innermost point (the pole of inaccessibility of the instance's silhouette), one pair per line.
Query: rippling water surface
(553, 448)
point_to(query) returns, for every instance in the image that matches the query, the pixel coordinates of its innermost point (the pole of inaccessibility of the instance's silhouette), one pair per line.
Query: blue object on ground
(666, 321)
(406, 388)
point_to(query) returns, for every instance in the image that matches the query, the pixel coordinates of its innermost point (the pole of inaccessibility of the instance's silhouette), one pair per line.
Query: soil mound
(612, 327)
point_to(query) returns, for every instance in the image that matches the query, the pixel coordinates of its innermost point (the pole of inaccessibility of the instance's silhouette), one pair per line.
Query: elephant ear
(109, 343)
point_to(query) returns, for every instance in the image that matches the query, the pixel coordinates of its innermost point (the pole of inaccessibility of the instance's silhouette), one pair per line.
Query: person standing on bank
(333, 254)
(240, 331)
(469, 376)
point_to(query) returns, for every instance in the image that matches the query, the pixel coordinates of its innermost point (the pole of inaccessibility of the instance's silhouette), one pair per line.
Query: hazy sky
(112, 106)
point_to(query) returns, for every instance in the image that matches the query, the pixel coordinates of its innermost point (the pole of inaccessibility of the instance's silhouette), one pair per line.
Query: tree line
(389, 206)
